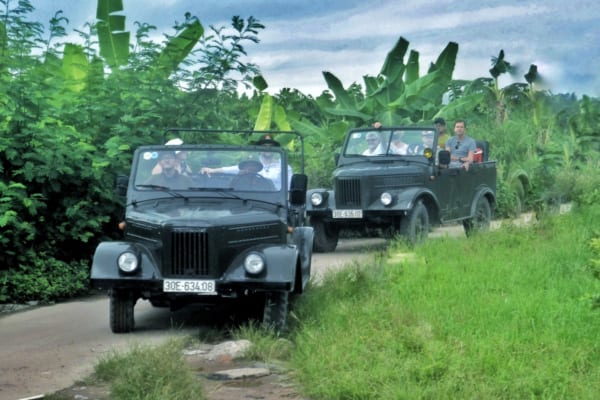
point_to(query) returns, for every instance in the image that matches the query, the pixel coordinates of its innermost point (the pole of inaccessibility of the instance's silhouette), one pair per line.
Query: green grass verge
(147, 372)
(505, 315)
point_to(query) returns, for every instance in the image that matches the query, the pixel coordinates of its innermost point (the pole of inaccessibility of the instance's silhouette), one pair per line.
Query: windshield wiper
(162, 189)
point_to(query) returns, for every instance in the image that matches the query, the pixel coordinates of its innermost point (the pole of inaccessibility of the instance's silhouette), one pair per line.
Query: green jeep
(228, 235)
(401, 186)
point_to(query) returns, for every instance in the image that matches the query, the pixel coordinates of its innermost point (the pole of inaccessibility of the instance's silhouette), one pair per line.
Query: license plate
(347, 213)
(189, 286)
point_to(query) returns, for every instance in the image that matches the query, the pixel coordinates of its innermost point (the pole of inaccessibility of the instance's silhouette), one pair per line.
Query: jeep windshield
(389, 142)
(205, 169)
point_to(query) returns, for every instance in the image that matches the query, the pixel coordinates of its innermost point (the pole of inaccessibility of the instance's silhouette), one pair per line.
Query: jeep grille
(189, 253)
(348, 193)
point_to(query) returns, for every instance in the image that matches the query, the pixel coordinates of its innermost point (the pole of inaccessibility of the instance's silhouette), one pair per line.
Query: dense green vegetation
(73, 113)
(510, 314)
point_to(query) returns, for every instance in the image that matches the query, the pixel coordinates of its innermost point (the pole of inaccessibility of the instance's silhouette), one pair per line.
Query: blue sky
(351, 38)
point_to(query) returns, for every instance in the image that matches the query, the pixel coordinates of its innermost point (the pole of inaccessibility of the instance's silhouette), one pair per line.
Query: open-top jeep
(401, 186)
(222, 231)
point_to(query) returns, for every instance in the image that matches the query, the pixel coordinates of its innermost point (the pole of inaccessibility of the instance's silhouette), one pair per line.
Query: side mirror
(298, 189)
(121, 184)
(336, 157)
(444, 157)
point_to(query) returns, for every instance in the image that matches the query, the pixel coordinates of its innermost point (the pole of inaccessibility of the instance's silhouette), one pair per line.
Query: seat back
(483, 150)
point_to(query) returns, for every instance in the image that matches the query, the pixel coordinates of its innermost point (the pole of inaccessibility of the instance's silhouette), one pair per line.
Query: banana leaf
(112, 38)
(393, 67)
(412, 67)
(263, 120)
(75, 67)
(179, 47)
(461, 107)
(336, 87)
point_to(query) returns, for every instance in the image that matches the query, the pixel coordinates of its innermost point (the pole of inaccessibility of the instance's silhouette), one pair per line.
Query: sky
(351, 38)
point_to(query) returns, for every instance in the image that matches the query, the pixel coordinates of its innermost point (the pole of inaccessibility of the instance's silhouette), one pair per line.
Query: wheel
(481, 220)
(415, 226)
(326, 235)
(121, 312)
(276, 310)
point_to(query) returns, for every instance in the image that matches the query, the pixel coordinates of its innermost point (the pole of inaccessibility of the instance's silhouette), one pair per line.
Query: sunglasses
(456, 147)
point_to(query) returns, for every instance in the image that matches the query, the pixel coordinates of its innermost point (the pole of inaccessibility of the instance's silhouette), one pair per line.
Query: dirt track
(46, 349)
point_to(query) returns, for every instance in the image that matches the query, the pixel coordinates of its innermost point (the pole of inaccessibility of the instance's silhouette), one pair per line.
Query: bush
(44, 279)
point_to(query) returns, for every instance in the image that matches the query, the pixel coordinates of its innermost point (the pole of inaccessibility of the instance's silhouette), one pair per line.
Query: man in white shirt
(374, 146)
(270, 161)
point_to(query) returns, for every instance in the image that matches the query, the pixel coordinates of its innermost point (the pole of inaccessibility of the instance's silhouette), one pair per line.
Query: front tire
(482, 218)
(121, 312)
(276, 311)
(415, 226)
(326, 235)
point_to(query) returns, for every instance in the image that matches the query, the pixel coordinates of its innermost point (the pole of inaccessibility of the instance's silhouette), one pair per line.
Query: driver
(271, 165)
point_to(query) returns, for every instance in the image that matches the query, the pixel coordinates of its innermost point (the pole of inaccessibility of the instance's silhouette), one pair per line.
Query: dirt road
(45, 349)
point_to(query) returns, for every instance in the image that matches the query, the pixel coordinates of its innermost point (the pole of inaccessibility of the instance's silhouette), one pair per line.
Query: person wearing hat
(181, 165)
(169, 176)
(271, 165)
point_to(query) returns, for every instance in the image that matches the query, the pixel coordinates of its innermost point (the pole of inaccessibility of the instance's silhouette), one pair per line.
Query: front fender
(328, 203)
(104, 263)
(406, 198)
(279, 271)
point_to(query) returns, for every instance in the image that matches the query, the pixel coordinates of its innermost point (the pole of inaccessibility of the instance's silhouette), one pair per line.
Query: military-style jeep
(227, 226)
(398, 184)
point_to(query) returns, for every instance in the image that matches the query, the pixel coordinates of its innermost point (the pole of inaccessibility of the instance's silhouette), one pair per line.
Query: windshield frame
(202, 185)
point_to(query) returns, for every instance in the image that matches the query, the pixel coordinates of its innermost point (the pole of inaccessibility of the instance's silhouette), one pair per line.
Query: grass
(511, 314)
(147, 372)
(505, 315)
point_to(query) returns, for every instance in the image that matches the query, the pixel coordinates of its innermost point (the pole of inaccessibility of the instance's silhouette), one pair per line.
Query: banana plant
(112, 37)
(398, 94)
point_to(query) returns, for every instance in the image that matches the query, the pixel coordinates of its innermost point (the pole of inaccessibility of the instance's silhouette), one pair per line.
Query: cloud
(351, 38)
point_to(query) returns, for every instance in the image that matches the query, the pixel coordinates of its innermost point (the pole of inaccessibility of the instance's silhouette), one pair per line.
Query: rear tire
(481, 220)
(326, 235)
(121, 312)
(415, 226)
(276, 311)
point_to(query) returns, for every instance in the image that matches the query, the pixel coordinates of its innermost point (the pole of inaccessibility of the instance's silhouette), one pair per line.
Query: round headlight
(386, 198)
(127, 262)
(254, 263)
(316, 199)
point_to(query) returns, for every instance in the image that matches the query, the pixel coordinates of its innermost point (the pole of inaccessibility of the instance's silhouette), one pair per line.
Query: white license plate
(189, 286)
(347, 214)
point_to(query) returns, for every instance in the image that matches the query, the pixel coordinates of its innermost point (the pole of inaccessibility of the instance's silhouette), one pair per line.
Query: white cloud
(351, 38)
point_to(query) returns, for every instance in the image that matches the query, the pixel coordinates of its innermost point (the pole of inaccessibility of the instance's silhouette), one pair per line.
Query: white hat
(174, 142)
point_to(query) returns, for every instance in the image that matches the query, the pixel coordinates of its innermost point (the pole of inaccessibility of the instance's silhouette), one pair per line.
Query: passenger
(427, 138)
(440, 125)
(397, 145)
(169, 177)
(182, 166)
(461, 146)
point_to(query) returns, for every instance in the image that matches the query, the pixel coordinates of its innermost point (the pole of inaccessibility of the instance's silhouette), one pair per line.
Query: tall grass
(150, 372)
(505, 315)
